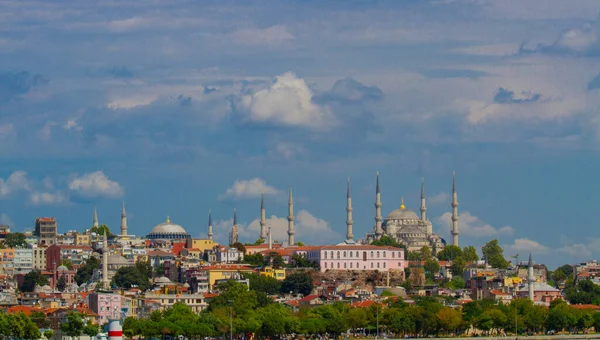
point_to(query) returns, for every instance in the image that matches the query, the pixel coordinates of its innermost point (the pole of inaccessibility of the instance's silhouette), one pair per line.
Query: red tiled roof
(586, 306)
(210, 295)
(309, 298)
(293, 303)
(360, 247)
(367, 303)
(20, 309)
(227, 267)
(498, 292)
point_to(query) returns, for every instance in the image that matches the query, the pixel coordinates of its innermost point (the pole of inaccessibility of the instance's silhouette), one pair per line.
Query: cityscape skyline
(178, 109)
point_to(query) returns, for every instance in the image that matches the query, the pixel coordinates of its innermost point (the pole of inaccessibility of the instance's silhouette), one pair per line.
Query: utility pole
(230, 319)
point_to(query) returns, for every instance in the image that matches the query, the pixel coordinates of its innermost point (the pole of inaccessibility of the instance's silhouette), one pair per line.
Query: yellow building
(201, 244)
(83, 240)
(278, 274)
(7, 261)
(207, 276)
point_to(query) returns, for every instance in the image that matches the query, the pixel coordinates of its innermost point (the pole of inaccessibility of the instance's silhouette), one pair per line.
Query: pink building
(106, 305)
(362, 257)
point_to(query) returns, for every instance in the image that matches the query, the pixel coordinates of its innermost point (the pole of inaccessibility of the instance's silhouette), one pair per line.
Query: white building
(229, 255)
(23, 260)
(39, 256)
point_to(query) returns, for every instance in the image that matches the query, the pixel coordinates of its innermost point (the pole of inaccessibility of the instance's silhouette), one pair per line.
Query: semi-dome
(168, 230)
(62, 268)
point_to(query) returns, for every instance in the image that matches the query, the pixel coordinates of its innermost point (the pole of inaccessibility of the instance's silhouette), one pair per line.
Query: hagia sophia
(402, 225)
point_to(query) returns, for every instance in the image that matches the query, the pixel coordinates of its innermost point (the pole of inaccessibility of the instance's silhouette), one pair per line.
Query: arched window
(377, 264)
(371, 254)
(371, 264)
(357, 254)
(384, 265)
(338, 254)
(384, 254)
(377, 254)
(357, 265)
(393, 254)
(338, 265)
(325, 265)
(325, 257)
(350, 263)
(331, 254)
(350, 253)
(344, 265)
(344, 254)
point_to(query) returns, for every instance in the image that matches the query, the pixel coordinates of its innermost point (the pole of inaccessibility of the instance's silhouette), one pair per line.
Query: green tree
(242, 299)
(457, 282)
(276, 260)
(85, 272)
(357, 318)
(494, 254)
(298, 282)
(458, 266)
(90, 330)
(262, 283)
(432, 266)
(67, 263)
(127, 277)
(275, 319)
(256, 260)
(390, 242)
(449, 253)
(239, 246)
(73, 325)
(48, 334)
(15, 240)
(32, 279)
(425, 253)
(301, 262)
(61, 284)
(470, 254)
(101, 230)
(449, 319)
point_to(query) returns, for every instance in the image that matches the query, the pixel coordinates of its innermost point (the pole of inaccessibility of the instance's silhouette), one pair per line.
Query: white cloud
(287, 151)
(309, 229)
(498, 50)
(524, 246)
(71, 124)
(273, 35)
(581, 251)
(129, 102)
(288, 101)
(5, 219)
(472, 226)
(47, 198)
(17, 181)
(440, 198)
(96, 184)
(248, 188)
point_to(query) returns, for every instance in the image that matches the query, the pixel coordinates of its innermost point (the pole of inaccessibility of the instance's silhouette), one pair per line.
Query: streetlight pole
(230, 319)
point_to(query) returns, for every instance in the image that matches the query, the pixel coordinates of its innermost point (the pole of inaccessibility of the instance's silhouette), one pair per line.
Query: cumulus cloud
(288, 101)
(17, 181)
(286, 151)
(248, 188)
(440, 198)
(273, 35)
(582, 250)
(47, 198)
(350, 91)
(309, 229)
(524, 245)
(95, 184)
(471, 226)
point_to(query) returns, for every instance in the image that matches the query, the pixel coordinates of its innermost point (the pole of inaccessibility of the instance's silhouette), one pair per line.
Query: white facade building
(23, 260)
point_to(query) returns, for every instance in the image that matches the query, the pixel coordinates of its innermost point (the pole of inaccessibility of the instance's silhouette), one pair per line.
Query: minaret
(270, 238)
(210, 232)
(95, 221)
(423, 206)
(530, 278)
(105, 281)
(378, 219)
(454, 206)
(123, 222)
(291, 231)
(349, 221)
(233, 236)
(263, 219)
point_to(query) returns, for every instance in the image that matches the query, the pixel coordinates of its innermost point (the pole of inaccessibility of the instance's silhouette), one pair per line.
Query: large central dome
(402, 214)
(168, 231)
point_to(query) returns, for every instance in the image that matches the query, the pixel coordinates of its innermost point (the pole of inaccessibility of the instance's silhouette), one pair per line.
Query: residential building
(58, 252)
(23, 262)
(201, 244)
(83, 239)
(203, 279)
(361, 257)
(543, 293)
(106, 305)
(39, 256)
(194, 301)
(7, 259)
(229, 255)
(278, 274)
(46, 228)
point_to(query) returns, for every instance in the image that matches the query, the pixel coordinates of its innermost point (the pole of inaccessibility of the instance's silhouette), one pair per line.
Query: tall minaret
(105, 281)
(263, 219)
(233, 236)
(378, 219)
(270, 238)
(123, 221)
(210, 232)
(423, 206)
(291, 231)
(349, 221)
(95, 221)
(454, 206)
(530, 278)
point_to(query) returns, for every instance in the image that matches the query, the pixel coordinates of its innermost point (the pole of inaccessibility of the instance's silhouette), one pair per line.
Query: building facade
(106, 305)
(361, 257)
(23, 262)
(39, 257)
(46, 228)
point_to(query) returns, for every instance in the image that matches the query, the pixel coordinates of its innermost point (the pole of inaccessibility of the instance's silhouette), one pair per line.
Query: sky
(181, 107)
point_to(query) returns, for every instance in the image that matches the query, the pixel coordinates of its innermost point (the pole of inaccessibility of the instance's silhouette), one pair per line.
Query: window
(325, 264)
(356, 254)
(331, 254)
(399, 255)
(350, 263)
(338, 265)
(344, 254)
(364, 255)
(371, 254)
(331, 265)
(393, 254)
(350, 253)
(384, 265)
(344, 265)
(325, 255)
(399, 265)
(371, 264)
(384, 254)
(378, 254)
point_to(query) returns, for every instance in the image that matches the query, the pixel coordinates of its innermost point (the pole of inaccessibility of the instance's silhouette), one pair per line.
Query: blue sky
(181, 107)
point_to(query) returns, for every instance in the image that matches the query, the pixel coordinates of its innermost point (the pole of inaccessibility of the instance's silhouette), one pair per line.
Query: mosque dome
(168, 230)
(62, 268)
(402, 214)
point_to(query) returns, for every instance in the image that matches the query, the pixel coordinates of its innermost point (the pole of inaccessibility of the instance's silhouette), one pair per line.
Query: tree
(256, 260)
(73, 325)
(239, 247)
(276, 260)
(389, 242)
(61, 284)
(494, 254)
(262, 283)
(85, 272)
(32, 279)
(90, 330)
(458, 266)
(67, 263)
(49, 334)
(357, 318)
(449, 318)
(431, 266)
(457, 282)
(127, 277)
(301, 262)
(425, 253)
(470, 254)
(15, 240)
(298, 282)
(449, 253)
(101, 230)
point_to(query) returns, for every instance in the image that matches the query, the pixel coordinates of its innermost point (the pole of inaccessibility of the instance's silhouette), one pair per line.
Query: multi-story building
(229, 255)
(278, 274)
(203, 279)
(39, 256)
(46, 229)
(361, 257)
(58, 252)
(83, 239)
(201, 244)
(7, 259)
(106, 305)
(23, 262)
(4, 230)
(194, 301)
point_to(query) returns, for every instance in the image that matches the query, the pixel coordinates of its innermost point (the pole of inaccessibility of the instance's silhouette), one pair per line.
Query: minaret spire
(95, 220)
(210, 226)
(263, 219)
(454, 206)
(530, 279)
(291, 231)
(105, 281)
(233, 236)
(423, 205)
(378, 219)
(349, 221)
(123, 221)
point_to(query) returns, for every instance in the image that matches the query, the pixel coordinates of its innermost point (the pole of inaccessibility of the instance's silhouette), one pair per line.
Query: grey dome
(402, 214)
(62, 268)
(117, 260)
(168, 230)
